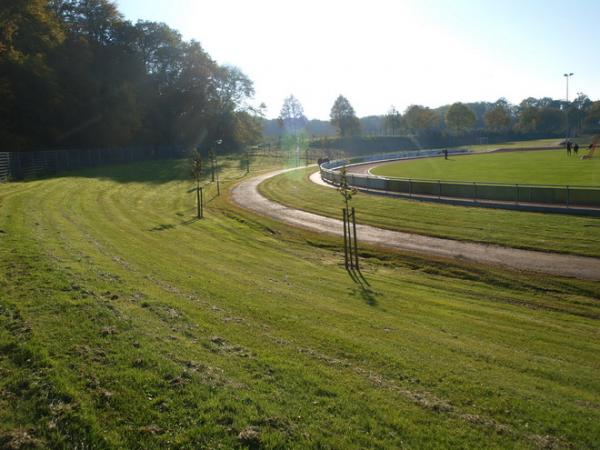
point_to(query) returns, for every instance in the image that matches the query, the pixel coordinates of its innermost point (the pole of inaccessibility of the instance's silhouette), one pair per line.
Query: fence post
(568, 195)
(20, 170)
(46, 163)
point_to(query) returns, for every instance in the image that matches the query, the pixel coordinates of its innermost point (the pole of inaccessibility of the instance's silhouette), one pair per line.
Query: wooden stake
(350, 245)
(198, 207)
(355, 240)
(345, 240)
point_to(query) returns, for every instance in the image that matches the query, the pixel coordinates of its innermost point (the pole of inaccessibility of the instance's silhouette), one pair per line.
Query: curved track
(246, 195)
(561, 208)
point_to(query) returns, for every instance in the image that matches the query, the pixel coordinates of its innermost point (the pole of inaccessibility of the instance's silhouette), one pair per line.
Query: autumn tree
(592, 117)
(420, 119)
(527, 115)
(343, 117)
(578, 110)
(460, 118)
(75, 73)
(392, 121)
(292, 115)
(498, 118)
(550, 120)
(29, 89)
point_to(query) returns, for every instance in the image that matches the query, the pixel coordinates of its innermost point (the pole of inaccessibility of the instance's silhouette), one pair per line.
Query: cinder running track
(246, 195)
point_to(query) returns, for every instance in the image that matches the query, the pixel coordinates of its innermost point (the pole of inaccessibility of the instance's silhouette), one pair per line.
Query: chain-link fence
(4, 166)
(33, 164)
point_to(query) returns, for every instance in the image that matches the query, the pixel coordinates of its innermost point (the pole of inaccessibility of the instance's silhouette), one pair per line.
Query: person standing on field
(568, 148)
(576, 148)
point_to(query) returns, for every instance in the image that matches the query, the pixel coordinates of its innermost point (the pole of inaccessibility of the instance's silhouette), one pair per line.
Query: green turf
(532, 167)
(583, 140)
(125, 323)
(532, 143)
(551, 232)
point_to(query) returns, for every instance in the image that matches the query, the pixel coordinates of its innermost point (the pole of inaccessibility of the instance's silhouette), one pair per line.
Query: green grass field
(550, 232)
(583, 141)
(125, 323)
(533, 167)
(552, 142)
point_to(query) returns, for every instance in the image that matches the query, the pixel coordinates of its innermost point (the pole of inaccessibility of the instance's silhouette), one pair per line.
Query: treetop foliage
(393, 121)
(459, 117)
(74, 73)
(531, 117)
(292, 117)
(343, 117)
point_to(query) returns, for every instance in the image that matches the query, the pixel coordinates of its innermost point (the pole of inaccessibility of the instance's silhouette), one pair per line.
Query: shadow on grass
(363, 286)
(190, 221)
(157, 171)
(154, 172)
(163, 227)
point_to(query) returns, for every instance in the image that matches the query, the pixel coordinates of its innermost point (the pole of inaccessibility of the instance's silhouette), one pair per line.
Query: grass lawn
(535, 167)
(125, 323)
(551, 232)
(583, 141)
(553, 142)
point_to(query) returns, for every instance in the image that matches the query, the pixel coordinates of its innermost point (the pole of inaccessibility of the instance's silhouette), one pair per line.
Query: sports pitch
(551, 167)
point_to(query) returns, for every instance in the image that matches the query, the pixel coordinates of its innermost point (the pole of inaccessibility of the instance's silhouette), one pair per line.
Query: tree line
(75, 73)
(543, 116)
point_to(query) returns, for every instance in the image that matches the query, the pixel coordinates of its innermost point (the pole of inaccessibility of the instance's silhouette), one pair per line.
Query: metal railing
(558, 195)
(412, 154)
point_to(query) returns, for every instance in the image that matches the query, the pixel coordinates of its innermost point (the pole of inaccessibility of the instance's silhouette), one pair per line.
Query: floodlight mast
(567, 76)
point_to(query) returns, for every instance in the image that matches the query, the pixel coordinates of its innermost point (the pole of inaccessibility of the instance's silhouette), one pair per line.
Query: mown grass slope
(530, 167)
(550, 232)
(125, 323)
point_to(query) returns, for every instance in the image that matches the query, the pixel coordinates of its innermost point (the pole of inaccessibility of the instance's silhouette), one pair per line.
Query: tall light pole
(567, 76)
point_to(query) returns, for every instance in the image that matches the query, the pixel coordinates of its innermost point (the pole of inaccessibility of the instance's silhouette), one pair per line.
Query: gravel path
(246, 195)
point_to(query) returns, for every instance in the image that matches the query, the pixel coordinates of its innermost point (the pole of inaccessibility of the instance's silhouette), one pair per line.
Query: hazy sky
(380, 53)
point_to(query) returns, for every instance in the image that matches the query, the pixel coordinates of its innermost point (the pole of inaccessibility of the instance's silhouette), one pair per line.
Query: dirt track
(246, 195)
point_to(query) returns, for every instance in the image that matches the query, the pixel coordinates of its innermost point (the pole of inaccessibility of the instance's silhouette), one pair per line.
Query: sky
(380, 53)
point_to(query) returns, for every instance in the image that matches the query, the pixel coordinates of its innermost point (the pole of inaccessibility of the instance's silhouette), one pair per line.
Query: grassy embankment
(540, 167)
(550, 232)
(126, 323)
